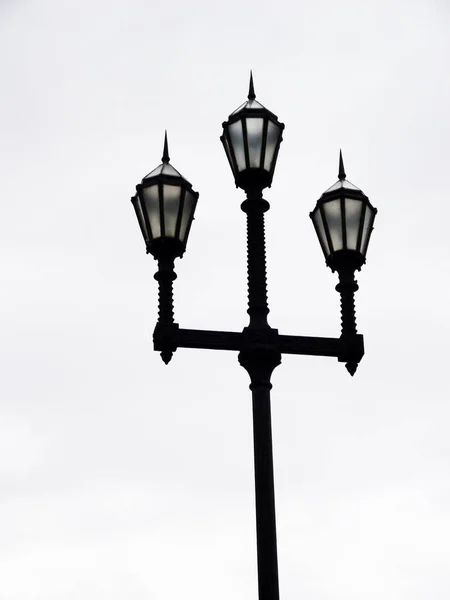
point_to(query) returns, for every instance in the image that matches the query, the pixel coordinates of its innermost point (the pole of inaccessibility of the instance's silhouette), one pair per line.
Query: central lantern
(251, 138)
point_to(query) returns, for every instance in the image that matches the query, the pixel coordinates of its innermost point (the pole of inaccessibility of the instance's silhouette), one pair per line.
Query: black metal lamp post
(343, 219)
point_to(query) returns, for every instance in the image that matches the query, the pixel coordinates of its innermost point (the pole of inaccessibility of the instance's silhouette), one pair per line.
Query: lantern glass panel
(254, 105)
(188, 209)
(163, 169)
(169, 170)
(226, 145)
(171, 207)
(333, 217)
(352, 221)
(320, 229)
(151, 201)
(367, 229)
(237, 141)
(273, 134)
(254, 138)
(140, 216)
(251, 104)
(342, 184)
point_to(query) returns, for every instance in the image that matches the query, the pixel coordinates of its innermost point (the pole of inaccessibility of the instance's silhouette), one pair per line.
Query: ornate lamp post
(343, 218)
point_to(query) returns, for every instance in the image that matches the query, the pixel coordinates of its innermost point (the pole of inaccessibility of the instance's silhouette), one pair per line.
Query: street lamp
(165, 204)
(343, 219)
(251, 138)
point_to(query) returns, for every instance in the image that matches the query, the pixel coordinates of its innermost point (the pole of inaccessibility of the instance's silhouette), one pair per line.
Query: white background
(123, 478)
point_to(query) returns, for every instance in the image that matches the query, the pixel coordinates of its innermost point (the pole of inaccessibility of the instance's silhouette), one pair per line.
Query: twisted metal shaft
(258, 308)
(165, 277)
(348, 314)
(347, 287)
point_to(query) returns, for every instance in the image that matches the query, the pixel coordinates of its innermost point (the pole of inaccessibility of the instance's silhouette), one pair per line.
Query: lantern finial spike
(165, 157)
(251, 89)
(341, 174)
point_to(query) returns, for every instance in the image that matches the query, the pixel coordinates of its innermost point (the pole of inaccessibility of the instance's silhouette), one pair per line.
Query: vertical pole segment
(264, 493)
(255, 207)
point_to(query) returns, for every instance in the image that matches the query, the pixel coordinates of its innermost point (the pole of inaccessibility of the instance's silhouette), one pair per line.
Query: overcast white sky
(123, 478)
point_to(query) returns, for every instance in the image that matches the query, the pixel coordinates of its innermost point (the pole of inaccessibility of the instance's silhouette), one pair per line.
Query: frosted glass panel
(349, 186)
(367, 229)
(237, 141)
(250, 104)
(155, 172)
(320, 229)
(352, 219)
(151, 199)
(333, 218)
(273, 134)
(140, 216)
(171, 206)
(226, 146)
(254, 138)
(169, 170)
(164, 169)
(340, 185)
(254, 105)
(188, 209)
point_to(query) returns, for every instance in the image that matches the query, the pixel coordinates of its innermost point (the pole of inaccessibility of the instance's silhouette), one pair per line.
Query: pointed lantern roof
(342, 182)
(251, 103)
(165, 168)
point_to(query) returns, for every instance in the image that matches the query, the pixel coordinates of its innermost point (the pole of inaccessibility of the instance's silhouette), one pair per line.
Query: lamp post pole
(259, 360)
(343, 218)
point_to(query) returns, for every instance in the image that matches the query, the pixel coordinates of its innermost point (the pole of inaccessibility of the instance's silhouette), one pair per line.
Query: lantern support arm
(170, 336)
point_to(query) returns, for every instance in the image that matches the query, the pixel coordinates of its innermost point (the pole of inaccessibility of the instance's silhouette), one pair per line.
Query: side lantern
(165, 204)
(343, 219)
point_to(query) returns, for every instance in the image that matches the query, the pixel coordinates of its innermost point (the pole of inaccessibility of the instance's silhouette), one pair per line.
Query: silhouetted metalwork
(343, 219)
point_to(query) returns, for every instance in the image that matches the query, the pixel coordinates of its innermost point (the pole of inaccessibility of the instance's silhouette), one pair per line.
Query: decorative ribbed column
(347, 287)
(255, 207)
(165, 277)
